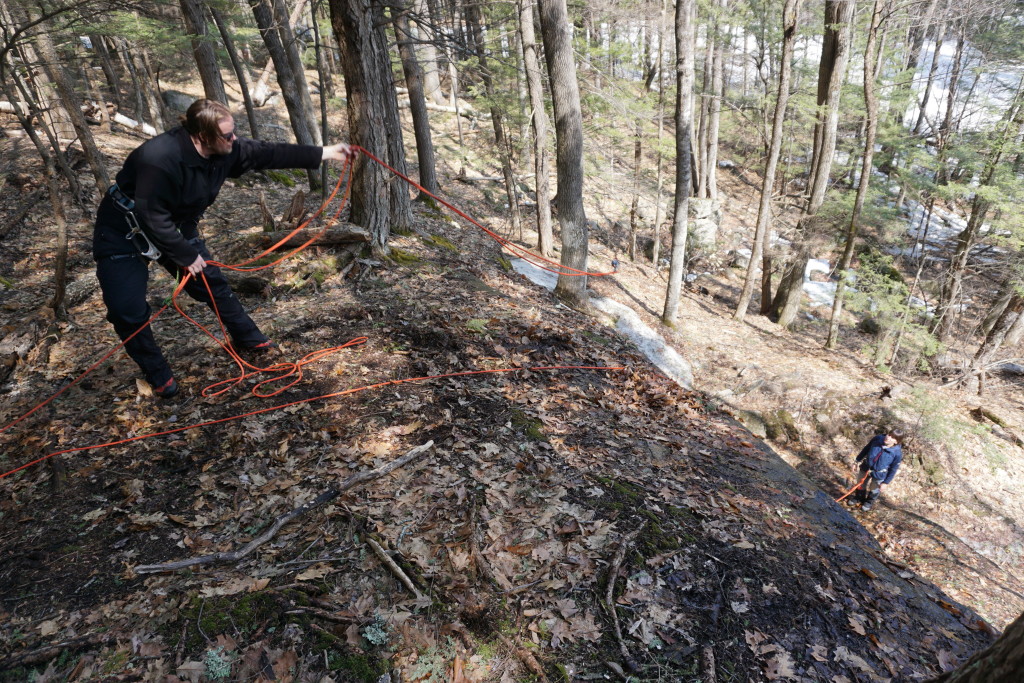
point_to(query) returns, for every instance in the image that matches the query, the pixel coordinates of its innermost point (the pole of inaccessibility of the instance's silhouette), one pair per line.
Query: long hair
(203, 120)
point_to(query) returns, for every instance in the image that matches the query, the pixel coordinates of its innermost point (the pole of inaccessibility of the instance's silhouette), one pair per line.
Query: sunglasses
(228, 137)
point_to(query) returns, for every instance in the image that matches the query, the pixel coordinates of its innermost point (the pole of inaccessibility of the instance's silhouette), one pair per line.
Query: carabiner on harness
(136, 235)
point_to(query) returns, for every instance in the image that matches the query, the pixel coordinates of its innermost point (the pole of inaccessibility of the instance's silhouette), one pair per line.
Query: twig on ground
(325, 497)
(48, 652)
(393, 566)
(609, 596)
(707, 662)
(526, 657)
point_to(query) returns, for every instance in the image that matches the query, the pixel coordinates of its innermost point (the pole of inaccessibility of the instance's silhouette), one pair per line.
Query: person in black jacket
(153, 211)
(878, 462)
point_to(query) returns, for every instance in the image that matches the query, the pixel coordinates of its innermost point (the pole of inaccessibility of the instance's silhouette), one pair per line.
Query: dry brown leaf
(192, 670)
(317, 571)
(284, 665)
(780, 666)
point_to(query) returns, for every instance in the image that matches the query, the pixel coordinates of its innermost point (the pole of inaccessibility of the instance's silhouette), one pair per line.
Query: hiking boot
(264, 347)
(866, 507)
(167, 389)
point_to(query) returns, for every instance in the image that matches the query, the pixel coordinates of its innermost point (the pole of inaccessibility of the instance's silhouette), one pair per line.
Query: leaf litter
(508, 529)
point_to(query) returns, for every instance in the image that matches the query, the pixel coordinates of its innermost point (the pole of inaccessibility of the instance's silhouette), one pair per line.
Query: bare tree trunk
(939, 37)
(73, 106)
(146, 86)
(871, 127)
(60, 259)
(634, 206)
(428, 53)
(377, 198)
(1003, 328)
(203, 50)
(717, 95)
(660, 170)
(1001, 662)
(556, 32)
(684, 130)
(790, 15)
(34, 120)
(275, 28)
(953, 282)
(539, 122)
(99, 44)
(417, 102)
(497, 119)
(236, 66)
(831, 74)
(700, 155)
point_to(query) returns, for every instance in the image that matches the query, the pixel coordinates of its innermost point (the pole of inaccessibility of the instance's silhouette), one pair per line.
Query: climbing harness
(136, 235)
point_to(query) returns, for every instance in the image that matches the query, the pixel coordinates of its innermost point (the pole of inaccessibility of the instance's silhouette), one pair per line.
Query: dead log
(331, 237)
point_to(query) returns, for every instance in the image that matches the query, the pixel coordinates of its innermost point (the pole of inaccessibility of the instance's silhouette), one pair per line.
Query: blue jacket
(881, 461)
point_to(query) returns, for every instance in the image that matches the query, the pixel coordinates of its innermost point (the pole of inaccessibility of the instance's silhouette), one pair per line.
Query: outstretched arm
(338, 152)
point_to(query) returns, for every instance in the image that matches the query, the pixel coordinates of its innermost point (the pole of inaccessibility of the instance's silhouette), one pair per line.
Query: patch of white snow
(628, 323)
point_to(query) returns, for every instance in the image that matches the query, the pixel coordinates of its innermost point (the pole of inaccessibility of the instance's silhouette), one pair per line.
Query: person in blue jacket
(877, 464)
(152, 213)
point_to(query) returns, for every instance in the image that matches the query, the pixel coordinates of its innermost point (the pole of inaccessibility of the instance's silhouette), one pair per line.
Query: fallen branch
(609, 596)
(966, 375)
(393, 566)
(45, 654)
(325, 497)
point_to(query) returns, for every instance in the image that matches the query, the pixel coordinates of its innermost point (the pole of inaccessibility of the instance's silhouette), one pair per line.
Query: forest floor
(730, 559)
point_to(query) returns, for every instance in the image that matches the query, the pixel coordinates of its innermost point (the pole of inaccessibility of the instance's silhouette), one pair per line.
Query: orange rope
(522, 252)
(285, 370)
(346, 392)
(855, 487)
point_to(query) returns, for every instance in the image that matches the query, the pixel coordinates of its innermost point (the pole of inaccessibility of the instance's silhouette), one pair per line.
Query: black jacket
(173, 185)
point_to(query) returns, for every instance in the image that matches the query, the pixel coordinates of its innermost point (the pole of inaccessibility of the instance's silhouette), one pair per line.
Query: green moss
(116, 663)
(225, 614)
(531, 427)
(598, 338)
(356, 667)
(282, 177)
(621, 489)
(403, 257)
(404, 232)
(427, 200)
(505, 264)
(442, 242)
(779, 425)
(264, 261)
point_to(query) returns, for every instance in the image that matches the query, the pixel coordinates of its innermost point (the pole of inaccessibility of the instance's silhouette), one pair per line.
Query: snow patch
(628, 323)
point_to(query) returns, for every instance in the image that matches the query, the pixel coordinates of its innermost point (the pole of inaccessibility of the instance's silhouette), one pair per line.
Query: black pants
(124, 279)
(867, 492)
